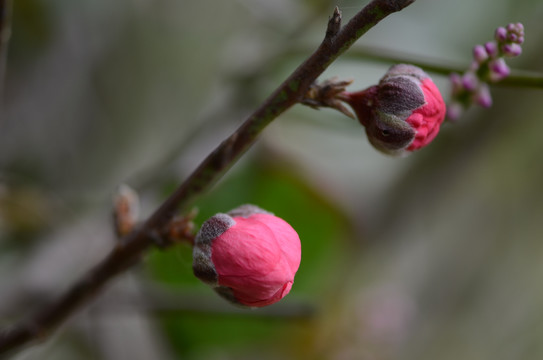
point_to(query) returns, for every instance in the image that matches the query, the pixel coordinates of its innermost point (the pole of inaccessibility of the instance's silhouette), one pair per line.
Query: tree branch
(131, 248)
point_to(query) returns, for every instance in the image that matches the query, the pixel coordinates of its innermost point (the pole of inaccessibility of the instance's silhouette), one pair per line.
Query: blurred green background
(434, 256)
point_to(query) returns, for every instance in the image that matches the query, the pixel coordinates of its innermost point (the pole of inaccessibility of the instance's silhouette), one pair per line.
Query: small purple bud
(454, 110)
(491, 49)
(515, 32)
(501, 34)
(474, 66)
(456, 84)
(480, 54)
(483, 97)
(512, 37)
(511, 50)
(470, 81)
(498, 69)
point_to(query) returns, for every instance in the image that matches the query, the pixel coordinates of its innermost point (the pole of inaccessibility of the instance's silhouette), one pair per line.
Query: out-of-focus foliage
(433, 256)
(278, 190)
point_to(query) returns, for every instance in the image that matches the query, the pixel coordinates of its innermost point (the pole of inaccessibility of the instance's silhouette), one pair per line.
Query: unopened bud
(491, 49)
(501, 34)
(248, 256)
(483, 97)
(479, 54)
(402, 113)
(511, 50)
(498, 69)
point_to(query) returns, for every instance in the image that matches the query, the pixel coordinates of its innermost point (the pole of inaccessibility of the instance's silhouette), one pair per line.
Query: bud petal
(248, 256)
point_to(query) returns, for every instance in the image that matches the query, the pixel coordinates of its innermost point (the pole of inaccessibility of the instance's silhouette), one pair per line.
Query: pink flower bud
(248, 256)
(402, 113)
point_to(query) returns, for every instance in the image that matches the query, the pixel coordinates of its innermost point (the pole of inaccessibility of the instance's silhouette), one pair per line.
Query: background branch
(5, 34)
(131, 248)
(518, 78)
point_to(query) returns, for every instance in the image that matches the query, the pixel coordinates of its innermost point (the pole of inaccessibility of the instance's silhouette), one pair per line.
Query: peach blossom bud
(402, 113)
(248, 256)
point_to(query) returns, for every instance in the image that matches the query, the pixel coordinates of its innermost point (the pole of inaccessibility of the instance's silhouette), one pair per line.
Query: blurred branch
(5, 34)
(131, 248)
(518, 78)
(241, 83)
(160, 300)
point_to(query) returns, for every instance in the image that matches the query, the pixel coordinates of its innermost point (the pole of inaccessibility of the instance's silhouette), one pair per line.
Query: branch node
(125, 210)
(177, 230)
(328, 94)
(334, 24)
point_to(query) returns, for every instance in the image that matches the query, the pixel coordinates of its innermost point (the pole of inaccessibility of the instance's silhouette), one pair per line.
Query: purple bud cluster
(488, 66)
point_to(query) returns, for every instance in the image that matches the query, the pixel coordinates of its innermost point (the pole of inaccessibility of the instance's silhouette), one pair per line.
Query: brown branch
(131, 248)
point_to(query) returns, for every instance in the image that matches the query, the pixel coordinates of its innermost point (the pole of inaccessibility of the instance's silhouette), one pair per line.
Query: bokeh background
(438, 255)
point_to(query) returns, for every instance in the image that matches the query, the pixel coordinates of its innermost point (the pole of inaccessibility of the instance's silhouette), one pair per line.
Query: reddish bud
(402, 113)
(248, 256)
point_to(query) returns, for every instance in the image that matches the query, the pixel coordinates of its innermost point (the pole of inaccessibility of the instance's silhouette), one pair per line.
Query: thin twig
(133, 246)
